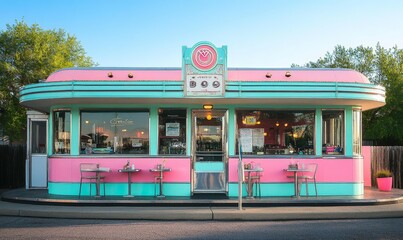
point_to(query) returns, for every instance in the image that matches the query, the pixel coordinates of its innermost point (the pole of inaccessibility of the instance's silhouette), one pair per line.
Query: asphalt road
(44, 228)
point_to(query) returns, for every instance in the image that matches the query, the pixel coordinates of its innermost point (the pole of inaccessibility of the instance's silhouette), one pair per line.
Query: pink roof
(297, 75)
(236, 74)
(101, 74)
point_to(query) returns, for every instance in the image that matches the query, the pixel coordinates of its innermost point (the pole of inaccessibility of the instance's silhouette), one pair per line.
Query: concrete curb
(310, 213)
(78, 212)
(202, 213)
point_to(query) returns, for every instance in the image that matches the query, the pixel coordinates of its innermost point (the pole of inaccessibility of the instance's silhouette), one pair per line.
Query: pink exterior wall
(68, 169)
(366, 153)
(329, 170)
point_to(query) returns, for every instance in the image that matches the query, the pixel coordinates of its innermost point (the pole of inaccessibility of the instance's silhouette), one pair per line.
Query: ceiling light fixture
(208, 106)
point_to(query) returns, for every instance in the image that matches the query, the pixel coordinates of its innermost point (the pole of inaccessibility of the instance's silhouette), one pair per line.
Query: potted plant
(384, 180)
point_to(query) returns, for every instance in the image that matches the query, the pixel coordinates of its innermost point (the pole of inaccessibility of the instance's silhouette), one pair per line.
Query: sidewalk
(388, 205)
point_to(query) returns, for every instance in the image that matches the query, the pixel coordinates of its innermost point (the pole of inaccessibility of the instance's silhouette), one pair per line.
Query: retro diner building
(190, 120)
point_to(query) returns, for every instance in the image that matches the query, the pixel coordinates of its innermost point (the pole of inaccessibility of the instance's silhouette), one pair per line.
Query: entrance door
(209, 151)
(37, 162)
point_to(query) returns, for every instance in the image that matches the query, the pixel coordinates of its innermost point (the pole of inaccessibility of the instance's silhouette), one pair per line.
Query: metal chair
(309, 176)
(87, 173)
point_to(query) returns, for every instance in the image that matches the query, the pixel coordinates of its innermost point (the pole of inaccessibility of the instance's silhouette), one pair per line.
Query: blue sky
(258, 33)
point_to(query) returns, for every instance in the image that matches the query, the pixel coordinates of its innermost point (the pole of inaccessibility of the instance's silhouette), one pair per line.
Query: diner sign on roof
(204, 70)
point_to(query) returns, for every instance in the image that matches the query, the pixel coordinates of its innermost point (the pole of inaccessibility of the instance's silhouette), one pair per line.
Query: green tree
(381, 66)
(29, 54)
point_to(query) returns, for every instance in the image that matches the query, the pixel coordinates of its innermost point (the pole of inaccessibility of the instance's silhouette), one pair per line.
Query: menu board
(258, 137)
(245, 138)
(251, 137)
(172, 129)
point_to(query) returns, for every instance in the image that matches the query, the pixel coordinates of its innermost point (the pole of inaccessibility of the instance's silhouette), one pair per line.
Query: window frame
(344, 130)
(292, 110)
(54, 132)
(131, 110)
(185, 131)
(354, 127)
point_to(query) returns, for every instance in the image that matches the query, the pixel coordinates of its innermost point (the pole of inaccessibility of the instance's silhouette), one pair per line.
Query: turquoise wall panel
(349, 131)
(183, 189)
(231, 131)
(75, 131)
(318, 132)
(119, 189)
(162, 89)
(209, 166)
(287, 189)
(50, 134)
(153, 128)
(189, 132)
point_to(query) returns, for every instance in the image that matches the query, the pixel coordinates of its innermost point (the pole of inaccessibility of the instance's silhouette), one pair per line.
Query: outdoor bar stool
(309, 176)
(88, 174)
(256, 180)
(157, 180)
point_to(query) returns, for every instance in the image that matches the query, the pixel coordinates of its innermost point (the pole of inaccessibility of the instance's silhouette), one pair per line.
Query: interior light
(277, 124)
(209, 117)
(208, 106)
(285, 124)
(86, 121)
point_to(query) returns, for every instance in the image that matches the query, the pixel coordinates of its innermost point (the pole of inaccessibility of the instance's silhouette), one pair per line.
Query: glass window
(357, 134)
(172, 131)
(282, 132)
(114, 132)
(333, 131)
(38, 139)
(61, 132)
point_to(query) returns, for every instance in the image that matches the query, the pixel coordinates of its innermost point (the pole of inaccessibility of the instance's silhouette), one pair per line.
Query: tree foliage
(381, 66)
(29, 54)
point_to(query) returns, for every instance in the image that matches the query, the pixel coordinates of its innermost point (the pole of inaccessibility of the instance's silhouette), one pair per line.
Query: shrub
(383, 173)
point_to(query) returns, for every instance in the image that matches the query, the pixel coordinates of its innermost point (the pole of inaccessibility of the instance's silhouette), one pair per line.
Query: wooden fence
(391, 158)
(12, 166)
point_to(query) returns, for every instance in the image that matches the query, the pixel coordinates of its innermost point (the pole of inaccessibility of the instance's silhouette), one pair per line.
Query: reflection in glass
(275, 132)
(172, 131)
(333, 132)
(209, 137)
(357, 134)
(38, 139)
(114, 132)
(61, 132)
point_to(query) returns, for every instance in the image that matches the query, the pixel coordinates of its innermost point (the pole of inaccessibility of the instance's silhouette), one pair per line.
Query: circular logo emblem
(204, 57)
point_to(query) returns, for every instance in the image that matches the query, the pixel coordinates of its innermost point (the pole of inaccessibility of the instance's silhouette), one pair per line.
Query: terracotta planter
(384, 184)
